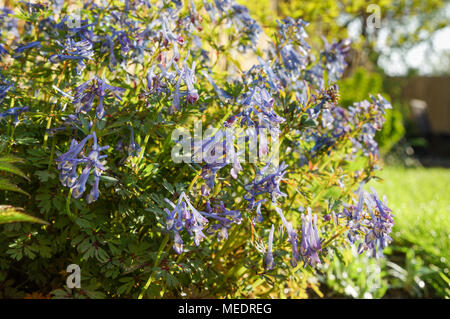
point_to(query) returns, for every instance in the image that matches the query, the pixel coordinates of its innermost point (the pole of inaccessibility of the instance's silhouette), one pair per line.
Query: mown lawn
(418, 262)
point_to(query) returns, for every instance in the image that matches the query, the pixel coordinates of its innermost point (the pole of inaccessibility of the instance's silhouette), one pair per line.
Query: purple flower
(187, 75)
(80, 51)
(314, 76)
(266, 182)
(375, 111)
(68, 166)
(154, 83)
(5, 86)
(238, 16)
(22, 48)
(216, 152)
(184, 216)
(310, 243)
(259, 218)
(292, 59)
(15, 112)
(211, 10)
(292, 234)
(133, 149)
(86, 92)
(380, 103)
(177, 243)
(220, 92)
(370, 223)
(108, 45)
(334, 55)
(259, 101)
(8, 24)
(268, 260)
(294, 30)
(209, 172)
(379, 228)
(224, 217)
(124, 40)
(169, 37)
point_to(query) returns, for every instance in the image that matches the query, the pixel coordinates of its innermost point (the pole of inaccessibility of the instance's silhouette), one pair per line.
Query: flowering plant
(91, 99)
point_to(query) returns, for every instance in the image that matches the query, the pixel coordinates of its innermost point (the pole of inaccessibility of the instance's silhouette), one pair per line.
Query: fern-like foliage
(10, 214)
(7, 165)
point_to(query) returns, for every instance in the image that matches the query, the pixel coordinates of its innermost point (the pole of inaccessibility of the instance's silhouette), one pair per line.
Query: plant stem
(52, 154)
(149, 281)
(69, 196)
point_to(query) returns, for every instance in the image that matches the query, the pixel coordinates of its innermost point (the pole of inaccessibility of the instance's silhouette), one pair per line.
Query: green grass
(420, 253)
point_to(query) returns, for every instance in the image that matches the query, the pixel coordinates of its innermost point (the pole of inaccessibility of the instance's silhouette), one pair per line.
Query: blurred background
(401, 48)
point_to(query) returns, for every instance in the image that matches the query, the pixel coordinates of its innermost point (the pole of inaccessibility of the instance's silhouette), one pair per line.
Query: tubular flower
(5, 87)
(224, 217)
(310, 243)
(187, 75)
(370, 223)
(22, 48)
(68, 166)
(334, 55)
(133, 148)
(79, 51)
(266, 183)
(184, 216)
(268, 260)
(86, 92)
(292, 234)
(15, 112)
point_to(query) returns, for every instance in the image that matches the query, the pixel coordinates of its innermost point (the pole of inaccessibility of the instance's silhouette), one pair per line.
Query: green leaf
(110, 179)
(44, 176)
(8, 167)
(9, 214)
(171, 280)
(11, 159)
(167, 186)
(44, 202)
(83, 223)
(8, 186)
(27, 141)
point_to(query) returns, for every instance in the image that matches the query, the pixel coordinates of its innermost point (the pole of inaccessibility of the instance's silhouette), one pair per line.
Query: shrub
(359, 85)
(96, 99)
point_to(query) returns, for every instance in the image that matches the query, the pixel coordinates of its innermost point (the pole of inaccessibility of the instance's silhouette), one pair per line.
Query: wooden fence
(435, 92)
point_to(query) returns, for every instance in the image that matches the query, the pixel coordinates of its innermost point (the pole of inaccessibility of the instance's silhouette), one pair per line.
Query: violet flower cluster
(335, 122)
(369, 223)
(120, 41)
(306, 249)
(5, 88)
(184, 216)
(70, 162)
(89, 90)
(14, 112)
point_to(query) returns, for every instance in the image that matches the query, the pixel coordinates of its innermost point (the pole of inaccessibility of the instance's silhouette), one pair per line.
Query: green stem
(11, 139)
(337, 234)
(150, 278)
(49, 124)
(69, 196)
(52, 154)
